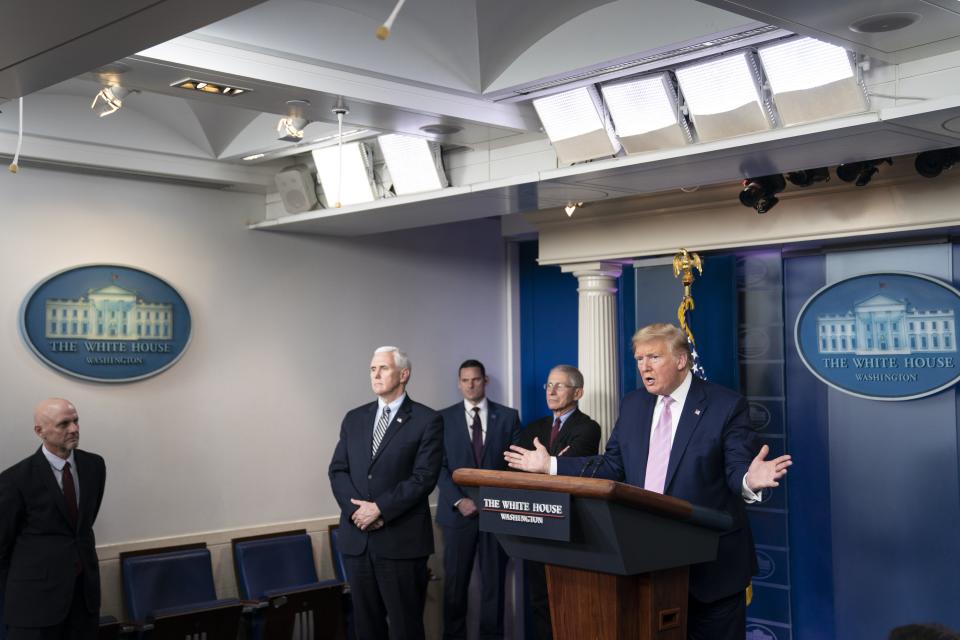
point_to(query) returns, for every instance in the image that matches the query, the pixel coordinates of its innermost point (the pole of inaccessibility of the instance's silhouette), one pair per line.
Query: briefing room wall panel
(876, 483)
(240, 431)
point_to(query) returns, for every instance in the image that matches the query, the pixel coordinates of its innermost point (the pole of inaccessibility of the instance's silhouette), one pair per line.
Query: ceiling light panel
(812, 80)
(724, 97)
(577, 125)
(414, 163)
(356, 185)
(645, 113)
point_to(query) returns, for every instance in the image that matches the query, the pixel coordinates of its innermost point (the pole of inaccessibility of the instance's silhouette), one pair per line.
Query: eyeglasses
(559, 386)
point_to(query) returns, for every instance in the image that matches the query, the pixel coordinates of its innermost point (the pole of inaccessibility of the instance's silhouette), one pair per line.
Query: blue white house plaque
(106, 323)
(884, 336)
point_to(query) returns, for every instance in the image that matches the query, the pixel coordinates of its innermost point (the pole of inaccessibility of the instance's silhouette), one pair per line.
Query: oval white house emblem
(883, 336)
(107, 323)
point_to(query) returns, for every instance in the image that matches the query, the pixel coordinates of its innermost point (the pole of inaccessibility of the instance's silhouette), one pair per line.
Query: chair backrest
(274, 562)
(338, 565)
(173, 577)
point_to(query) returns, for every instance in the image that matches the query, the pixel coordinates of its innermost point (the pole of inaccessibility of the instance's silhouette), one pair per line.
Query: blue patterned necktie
(380, 429)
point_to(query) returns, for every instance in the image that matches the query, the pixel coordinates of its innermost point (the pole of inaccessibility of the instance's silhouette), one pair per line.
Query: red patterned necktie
(554, 432)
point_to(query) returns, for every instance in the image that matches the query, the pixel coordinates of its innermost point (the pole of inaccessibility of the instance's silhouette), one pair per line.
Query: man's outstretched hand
(765, 474)
(536, 460)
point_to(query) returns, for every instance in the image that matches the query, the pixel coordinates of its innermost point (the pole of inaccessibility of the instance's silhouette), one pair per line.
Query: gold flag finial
(684, 262)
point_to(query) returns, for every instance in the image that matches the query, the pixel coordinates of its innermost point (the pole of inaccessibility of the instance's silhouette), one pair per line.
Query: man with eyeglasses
(566, 432)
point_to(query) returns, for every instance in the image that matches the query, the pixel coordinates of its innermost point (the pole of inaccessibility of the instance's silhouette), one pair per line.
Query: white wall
(240, 431)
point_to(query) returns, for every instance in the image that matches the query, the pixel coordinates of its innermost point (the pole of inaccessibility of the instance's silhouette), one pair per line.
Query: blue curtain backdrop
(548, 328)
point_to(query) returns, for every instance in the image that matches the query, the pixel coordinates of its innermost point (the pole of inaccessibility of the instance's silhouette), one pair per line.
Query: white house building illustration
(108, 313)
(883, 325)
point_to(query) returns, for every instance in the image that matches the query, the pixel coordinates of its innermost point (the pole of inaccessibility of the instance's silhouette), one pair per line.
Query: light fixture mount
(885, 23)
(441, 129)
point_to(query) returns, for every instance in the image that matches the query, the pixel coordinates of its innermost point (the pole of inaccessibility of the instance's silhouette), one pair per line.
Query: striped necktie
(380, 429)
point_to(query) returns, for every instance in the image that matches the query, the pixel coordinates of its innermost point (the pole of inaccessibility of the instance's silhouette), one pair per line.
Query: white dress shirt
(484, 409)
(393, 409)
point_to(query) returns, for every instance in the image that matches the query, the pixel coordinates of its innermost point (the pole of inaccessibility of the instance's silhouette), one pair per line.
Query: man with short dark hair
(567, 431)
(49, 570)
(476, 432)
(382, 472)
(682, 436)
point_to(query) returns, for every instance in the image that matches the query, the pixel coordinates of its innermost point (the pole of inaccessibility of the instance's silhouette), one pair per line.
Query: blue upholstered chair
(169, 594)
(341, 571)
(278, 572)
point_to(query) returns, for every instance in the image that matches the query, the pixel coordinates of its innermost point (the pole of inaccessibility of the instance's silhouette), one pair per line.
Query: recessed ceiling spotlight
(885, 23)
(441, 129)
(215, 88)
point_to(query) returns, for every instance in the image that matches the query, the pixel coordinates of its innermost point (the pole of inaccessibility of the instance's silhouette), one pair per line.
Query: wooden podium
(624, 571)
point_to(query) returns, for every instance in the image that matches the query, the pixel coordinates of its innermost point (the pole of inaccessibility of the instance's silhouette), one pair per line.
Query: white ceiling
(466, 63)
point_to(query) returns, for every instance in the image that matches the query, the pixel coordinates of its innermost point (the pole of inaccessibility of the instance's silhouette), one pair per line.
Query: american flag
(696, 366)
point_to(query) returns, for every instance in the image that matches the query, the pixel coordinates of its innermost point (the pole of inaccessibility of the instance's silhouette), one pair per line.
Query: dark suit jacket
(39, 550)
(580, 432)
(711, 452)
(399, 479)
(503, 427)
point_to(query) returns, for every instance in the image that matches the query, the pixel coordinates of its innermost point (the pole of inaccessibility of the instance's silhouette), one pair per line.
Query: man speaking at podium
(684, 437)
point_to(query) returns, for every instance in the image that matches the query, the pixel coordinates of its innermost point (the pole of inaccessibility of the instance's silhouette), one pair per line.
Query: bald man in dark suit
(49, 501)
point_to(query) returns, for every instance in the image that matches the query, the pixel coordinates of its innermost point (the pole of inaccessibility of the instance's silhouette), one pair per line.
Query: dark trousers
(536, 577)
(460, 546)
(79, 624)
(725, 619)
(385, 589)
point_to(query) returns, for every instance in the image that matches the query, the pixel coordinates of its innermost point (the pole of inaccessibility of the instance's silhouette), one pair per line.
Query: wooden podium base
(587, 605)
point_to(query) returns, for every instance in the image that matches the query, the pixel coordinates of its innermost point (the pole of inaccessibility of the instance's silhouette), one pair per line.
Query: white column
(598, 351)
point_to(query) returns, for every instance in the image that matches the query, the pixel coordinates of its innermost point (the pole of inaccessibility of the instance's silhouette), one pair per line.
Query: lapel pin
(399, 419)
(696, 412)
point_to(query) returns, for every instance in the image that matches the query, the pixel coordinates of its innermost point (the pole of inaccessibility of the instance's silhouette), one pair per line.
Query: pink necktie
(660, 442)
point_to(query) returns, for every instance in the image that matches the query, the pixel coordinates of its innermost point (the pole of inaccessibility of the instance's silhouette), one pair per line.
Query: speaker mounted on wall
(297, 190)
